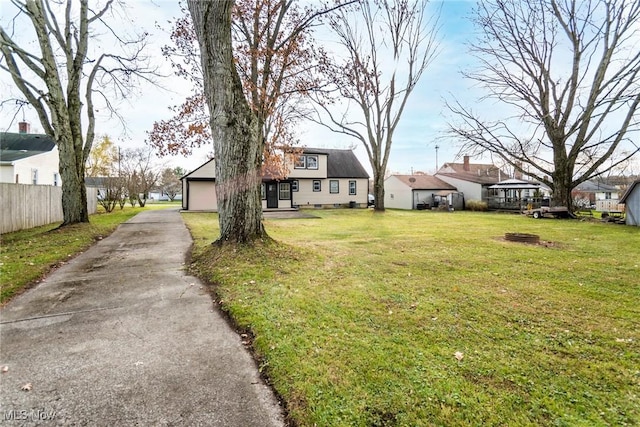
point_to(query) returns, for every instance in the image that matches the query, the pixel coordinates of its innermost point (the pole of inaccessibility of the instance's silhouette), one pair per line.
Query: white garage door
(202, 196)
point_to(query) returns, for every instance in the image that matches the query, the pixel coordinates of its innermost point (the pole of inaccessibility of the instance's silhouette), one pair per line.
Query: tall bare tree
(138, 173)
(570, 71)
(275, 59)
(235, 128)
(59, 76)
(269, 68)
(388, 46)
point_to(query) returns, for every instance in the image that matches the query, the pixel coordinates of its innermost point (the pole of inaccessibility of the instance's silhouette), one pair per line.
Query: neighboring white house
(418, 192)
(631, 200)
(603, 196)
(27, 158)
(317, 178)
(471, 179)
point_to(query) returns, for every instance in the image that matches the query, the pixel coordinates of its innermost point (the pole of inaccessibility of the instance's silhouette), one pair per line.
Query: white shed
(415, 191)
(631, 200)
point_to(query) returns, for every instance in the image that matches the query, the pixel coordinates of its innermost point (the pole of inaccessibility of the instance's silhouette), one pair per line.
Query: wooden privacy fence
(25, 206)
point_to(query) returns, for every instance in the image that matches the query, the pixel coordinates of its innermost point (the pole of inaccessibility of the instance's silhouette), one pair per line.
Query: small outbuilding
(631, 200)
(420, 192)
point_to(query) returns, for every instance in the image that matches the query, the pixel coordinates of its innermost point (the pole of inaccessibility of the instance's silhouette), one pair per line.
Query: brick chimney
(24, 127)
(465, 165)
(516, 173)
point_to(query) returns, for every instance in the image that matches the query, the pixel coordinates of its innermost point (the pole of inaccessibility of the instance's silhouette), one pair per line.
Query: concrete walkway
(121, 336)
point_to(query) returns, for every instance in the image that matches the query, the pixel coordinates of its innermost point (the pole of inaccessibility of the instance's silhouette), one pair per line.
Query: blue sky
(424, 120)
(415, 138)
(420, 130)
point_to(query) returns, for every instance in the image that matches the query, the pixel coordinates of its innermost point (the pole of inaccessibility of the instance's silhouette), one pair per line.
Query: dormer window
(312, 162)
(306, 162)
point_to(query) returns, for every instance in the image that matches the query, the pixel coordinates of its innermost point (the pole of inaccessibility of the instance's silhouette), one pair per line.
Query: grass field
(27, 255)
(431, 318)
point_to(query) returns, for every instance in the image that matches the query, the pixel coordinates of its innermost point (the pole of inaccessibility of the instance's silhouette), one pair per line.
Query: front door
(272, 195)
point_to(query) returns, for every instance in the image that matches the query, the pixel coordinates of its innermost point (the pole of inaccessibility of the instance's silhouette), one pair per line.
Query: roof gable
(627, 193)
(205, 170)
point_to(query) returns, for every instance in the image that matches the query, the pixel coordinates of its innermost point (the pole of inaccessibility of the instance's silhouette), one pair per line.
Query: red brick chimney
(465, 165)
(24, 127)
(516, 173)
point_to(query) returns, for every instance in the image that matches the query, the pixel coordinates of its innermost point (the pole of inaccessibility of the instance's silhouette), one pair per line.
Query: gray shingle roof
(424, 182)
(595, 187)
(16, 146)
(480, 173)
(340, 163)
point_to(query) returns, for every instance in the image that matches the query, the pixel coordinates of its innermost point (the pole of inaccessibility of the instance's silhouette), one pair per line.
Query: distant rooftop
(16, 146)
(424, 182)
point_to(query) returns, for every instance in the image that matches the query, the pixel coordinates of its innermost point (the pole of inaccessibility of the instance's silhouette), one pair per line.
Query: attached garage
(199, 189)
(201, 196)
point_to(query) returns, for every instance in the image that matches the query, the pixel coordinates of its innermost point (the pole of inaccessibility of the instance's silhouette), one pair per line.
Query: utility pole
(437, 146)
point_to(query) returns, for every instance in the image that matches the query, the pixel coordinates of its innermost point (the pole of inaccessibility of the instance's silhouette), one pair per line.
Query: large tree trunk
(74, 192)
(378, 190)
(235, 129)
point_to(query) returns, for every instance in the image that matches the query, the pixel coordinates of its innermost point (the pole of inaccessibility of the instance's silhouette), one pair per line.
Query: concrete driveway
(122, 336)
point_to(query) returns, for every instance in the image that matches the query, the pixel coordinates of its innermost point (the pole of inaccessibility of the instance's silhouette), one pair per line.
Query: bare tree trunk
(389, 45)
(570, 123)
(235, 129)
(378, 189)
(56, 77)
(74, 192)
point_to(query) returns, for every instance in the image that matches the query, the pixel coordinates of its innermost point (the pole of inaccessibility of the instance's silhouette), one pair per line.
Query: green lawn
(27, 255)
(357, 317)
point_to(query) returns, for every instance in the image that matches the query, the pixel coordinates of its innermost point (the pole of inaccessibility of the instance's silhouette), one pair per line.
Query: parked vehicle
(550, 212)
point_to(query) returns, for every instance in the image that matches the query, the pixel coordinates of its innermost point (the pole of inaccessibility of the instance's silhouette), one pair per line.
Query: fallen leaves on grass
(458, 355)
(27, 387)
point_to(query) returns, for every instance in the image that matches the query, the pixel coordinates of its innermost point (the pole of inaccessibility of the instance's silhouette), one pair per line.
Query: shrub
(476, 205)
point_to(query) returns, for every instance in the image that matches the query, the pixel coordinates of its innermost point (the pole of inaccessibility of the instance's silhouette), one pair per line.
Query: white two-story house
(316, 178)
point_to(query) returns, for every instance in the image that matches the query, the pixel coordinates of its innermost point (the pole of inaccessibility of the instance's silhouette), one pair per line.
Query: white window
(312, 162)
(300, 162)
(352, 188)
(316, 185)
(34, 176)
(285, 191)
(334, 186)
(294, 185)
(263, 191)
(56, 179)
